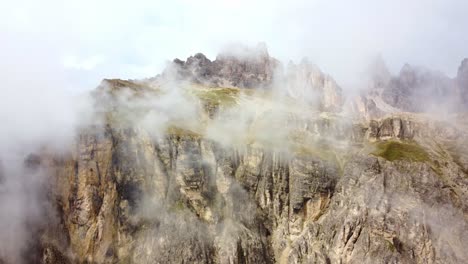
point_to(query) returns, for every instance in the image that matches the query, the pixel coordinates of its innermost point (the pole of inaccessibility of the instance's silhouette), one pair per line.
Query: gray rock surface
(125, 197)
(392, 189)
(245, 68)
(415, 89)
(256, 69)
(462, 82)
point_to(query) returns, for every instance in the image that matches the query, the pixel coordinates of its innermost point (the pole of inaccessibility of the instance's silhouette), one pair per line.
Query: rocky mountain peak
(238, 67)
(463, 66)
(379, 73)
(414, 85)
(254, 68)
(462, 75)
(306, 82)
(462, 82)
(407, 75)
(257, 53)
(227, 175)
(414, 89)
(198, 59)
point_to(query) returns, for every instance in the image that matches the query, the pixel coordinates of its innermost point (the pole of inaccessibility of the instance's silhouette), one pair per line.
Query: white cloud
(339, 36)
(87, 64)
(52, 47)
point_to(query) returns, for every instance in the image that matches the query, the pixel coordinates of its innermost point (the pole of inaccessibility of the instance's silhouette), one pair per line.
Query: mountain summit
(245, 160)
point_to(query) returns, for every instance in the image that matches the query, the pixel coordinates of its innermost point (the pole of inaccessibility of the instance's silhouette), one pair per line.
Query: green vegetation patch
(218, 96)
(177, 206)
(393, 150)
(134, 85)
(181, 132)
(323, 153)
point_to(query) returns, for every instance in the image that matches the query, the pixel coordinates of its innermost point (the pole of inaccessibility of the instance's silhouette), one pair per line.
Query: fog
(133, 39)
(53, 52)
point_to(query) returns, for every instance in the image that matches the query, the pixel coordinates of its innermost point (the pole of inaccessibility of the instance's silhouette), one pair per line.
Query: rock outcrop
(244, 68)
(286, 183)
(418, 89)
(305, 82)
(125, 197)
(254, 68)
(462, 82)
(415, 89)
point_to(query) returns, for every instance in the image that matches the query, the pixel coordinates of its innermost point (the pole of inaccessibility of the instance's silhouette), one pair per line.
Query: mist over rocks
(253, 68)
(416, 89)
(245, 160)
(306, 82)
(462, 82)
(231, 154)
(243, 67)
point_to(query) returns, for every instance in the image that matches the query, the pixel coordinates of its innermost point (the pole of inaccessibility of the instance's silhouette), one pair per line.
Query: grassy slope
(394, 150)
(299, 142)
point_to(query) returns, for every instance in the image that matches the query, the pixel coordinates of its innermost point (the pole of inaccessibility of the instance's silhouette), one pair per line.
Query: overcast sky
(81, 42)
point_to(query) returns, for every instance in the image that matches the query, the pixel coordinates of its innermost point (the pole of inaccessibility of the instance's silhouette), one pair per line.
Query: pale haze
(54, 52)
(85, 41)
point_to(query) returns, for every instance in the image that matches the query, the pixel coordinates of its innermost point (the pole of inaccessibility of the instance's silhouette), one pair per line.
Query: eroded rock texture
(124, 197)
(415, 89)
(255, 68)
(391, 189)
(243, 67)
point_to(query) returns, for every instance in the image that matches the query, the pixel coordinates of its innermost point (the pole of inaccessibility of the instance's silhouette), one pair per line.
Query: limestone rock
(414, 89)
(124, 195)
(244, 68)
(462, 81)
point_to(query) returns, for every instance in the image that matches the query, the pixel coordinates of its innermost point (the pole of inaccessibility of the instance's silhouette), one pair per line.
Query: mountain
(243, 160)
(416, 89)
(243, 67)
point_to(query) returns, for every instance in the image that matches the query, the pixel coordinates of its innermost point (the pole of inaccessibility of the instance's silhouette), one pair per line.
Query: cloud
(87, 64)
(53, 50)
(135, 36)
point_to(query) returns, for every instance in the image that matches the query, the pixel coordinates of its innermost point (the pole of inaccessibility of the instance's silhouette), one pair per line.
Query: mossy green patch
(181, 132)
(133, 85)
(394, 150)
(390, 246)
(304, 145)
(123, 115)
(218, 96)
(313, 151)
(177, 206)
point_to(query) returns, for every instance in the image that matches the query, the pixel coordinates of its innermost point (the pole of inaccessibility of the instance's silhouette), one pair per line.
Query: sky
(52, 51)
(75, 44)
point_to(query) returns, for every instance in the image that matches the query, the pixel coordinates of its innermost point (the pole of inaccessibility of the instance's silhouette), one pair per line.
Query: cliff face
(256, 69)
(462, 81)
(286, 183)
(243, 67)
(415, 89)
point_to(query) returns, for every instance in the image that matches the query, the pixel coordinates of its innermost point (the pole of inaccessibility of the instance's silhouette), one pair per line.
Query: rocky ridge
(415, 89)
(286, 183)
(256, 69)
(243, 68)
